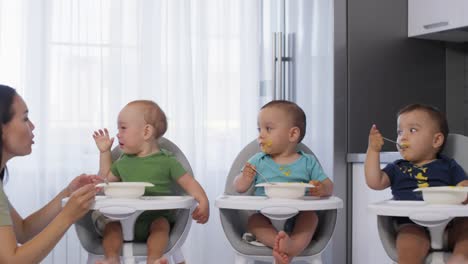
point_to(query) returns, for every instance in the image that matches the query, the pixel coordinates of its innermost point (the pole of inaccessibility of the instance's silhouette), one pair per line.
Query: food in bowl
(288, 190)
(444, 194)
(124, 189)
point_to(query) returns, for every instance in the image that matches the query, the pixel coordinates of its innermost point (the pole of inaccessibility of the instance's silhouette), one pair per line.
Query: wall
(365, 230)
(387, 70)
(457, 87)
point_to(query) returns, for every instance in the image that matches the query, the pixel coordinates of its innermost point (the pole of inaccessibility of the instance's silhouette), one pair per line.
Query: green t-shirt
(5, 218)
(161, 169)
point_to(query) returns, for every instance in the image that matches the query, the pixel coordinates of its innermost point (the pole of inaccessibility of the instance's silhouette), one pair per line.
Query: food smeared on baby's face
(266, 145)
(404, 145)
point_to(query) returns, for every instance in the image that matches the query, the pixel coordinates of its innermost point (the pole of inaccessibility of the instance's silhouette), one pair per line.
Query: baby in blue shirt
(281, 127)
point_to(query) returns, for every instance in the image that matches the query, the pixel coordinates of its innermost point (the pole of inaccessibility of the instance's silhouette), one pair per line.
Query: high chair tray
(307, 203)
(408, 208)
(144, 203)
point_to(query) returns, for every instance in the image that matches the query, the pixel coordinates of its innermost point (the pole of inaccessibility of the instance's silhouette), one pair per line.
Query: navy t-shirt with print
(405, 176)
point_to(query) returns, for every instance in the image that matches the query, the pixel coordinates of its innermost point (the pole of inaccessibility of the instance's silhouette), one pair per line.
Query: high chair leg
(178, 256)
(315, 259)
(239, 259)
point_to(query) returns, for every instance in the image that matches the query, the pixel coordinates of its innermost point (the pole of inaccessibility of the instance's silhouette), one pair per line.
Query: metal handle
(279, 89)
(280, 66)
(273, 76)
(436, 25)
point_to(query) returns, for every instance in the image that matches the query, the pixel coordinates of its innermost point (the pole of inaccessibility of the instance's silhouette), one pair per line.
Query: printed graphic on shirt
(418, 173)
(285, 171)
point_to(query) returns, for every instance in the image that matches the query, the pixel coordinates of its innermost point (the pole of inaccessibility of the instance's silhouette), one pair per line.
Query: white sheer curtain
(77, 62)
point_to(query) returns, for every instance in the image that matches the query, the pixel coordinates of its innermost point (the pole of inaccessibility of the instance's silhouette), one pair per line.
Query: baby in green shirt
(141, 123)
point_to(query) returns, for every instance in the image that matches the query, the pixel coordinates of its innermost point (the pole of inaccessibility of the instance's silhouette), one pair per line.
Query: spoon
(393, 141)
(106, 180)
(263, 176)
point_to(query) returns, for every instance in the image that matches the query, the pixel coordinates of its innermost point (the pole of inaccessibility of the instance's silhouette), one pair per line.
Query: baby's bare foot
(109, 261)
(284, 242)
(276, 245)
(280, 257)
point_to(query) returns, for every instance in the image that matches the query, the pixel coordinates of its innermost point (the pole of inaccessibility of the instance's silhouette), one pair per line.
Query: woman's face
(17, 134)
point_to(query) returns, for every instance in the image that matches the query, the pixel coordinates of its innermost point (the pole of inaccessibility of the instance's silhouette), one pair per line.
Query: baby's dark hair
(436, 115)
(294, 111)
(6, 114)
(153, 115)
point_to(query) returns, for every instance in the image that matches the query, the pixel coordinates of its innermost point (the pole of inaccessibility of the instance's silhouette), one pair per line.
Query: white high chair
(435, 217)
(235, 209)
(133, 251)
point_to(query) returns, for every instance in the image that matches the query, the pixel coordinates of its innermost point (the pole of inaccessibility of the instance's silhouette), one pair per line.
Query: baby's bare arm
(104, 144)
(244, 180)
(194, 189)
(375, 177)
(322, 188)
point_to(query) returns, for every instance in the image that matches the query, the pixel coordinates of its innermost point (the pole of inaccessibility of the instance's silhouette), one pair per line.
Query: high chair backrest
(239, 162)
(456, 148)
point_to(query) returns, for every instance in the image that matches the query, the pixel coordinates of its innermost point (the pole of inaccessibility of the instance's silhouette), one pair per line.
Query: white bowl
(444, 194)
(124, 189)
(288, 190)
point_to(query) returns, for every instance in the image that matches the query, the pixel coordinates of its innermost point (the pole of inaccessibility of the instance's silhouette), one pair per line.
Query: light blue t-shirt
(304, 169)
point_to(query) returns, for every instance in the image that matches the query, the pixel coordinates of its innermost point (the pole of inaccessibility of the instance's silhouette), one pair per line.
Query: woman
(41, 231)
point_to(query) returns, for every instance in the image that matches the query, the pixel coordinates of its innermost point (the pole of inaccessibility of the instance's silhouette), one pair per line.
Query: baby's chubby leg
(412, 244)
(458, 238)
(112, 243)
(161, 261)
(157, 240)
(304, 229)
(260, 226)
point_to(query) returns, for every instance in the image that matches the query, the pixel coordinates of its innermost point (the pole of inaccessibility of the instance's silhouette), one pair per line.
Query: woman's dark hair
(6, 113)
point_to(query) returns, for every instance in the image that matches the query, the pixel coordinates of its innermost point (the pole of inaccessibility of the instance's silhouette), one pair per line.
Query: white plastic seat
(91, 241)
(457, 148)
(234, 221)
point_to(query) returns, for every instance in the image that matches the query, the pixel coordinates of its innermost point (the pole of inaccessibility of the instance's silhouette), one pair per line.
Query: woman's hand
(79, 203)
(83, 180)
(375, 139)
(201, 213)
(102, 139)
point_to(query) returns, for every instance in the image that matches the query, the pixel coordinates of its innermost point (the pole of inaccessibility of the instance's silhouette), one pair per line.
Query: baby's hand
(375, 139)
(318, 190)
(201, 213)
(103, 142)
(249, 172)
(465, 184)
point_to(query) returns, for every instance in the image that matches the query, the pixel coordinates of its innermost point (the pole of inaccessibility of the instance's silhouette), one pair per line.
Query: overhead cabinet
(438, 19)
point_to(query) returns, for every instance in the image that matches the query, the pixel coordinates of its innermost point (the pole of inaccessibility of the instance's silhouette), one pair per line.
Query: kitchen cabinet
(438, 19)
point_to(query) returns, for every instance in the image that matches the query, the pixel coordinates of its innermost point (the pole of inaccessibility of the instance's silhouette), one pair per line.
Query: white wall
(366, 248)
